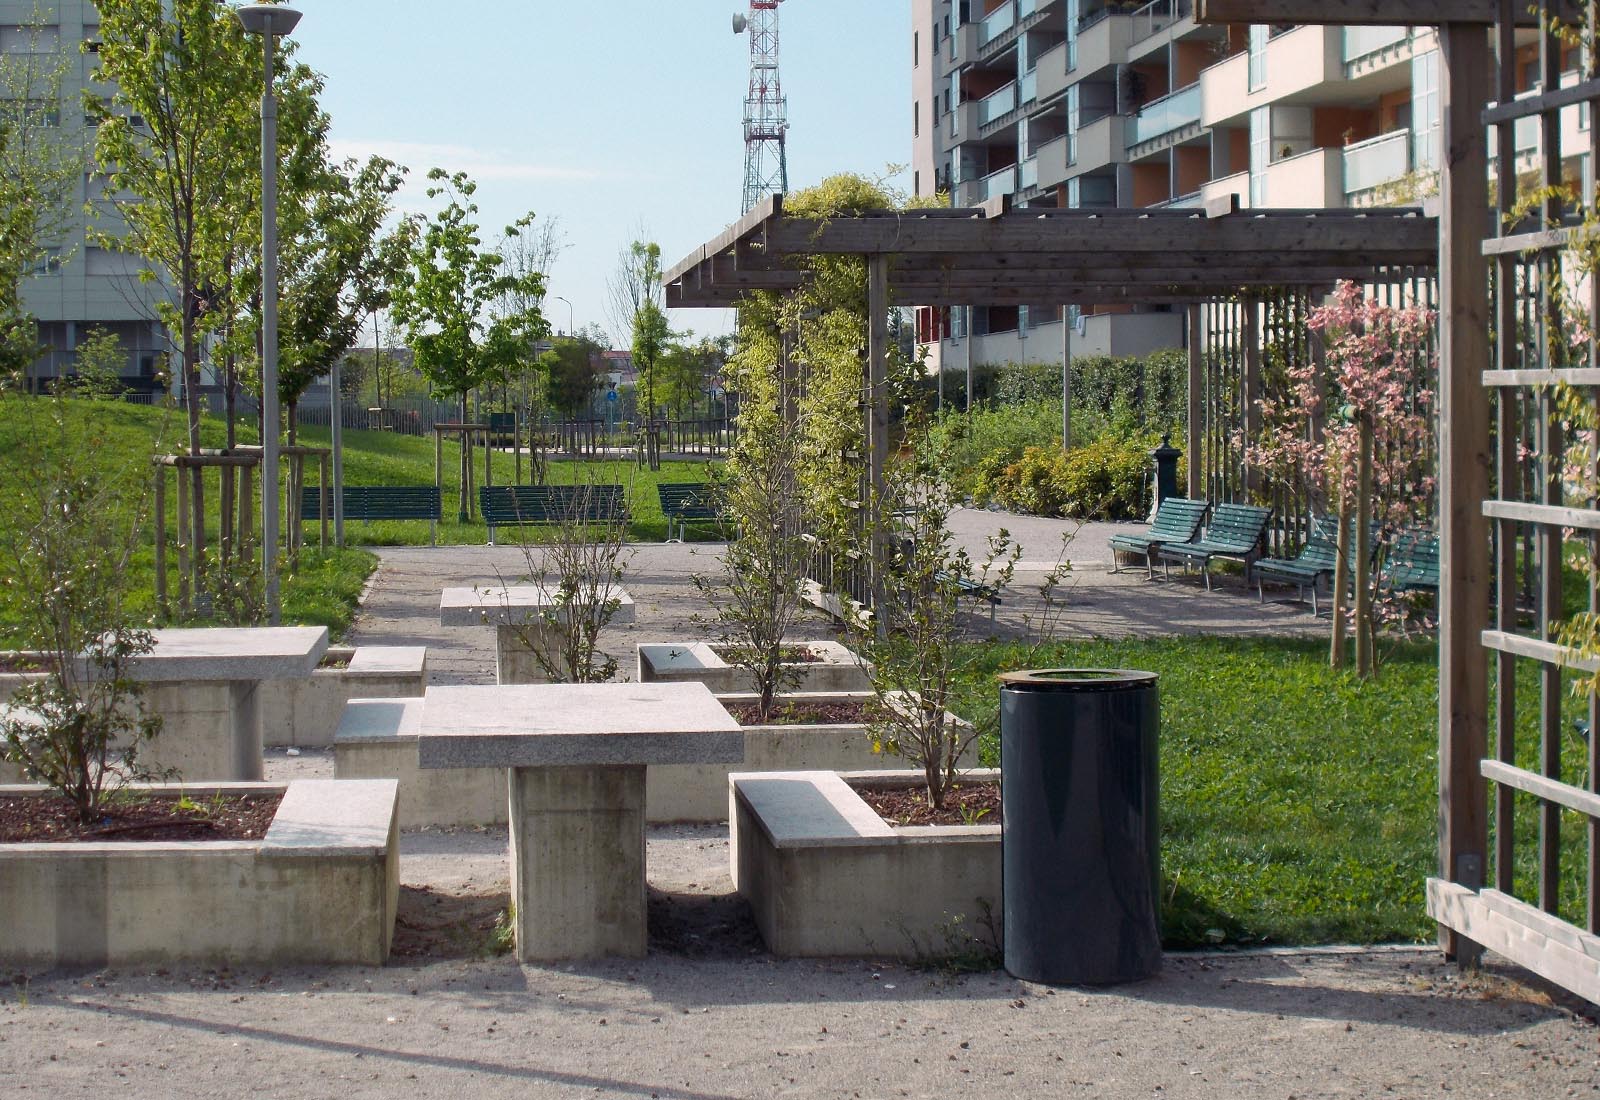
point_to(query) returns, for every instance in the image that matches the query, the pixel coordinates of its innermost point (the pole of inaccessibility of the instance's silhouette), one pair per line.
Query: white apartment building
(1091, 104)
(79, 286)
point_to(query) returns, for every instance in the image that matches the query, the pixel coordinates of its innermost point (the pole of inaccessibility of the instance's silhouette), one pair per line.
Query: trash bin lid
(1077, 679)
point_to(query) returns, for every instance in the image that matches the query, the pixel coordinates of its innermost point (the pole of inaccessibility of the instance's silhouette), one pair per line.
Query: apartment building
(79, 286)
(1094, 104)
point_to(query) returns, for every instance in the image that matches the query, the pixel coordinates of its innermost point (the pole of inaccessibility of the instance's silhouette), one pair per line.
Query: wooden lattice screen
(1539, 902)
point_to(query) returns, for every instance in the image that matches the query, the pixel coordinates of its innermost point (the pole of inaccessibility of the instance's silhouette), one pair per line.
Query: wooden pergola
(994, 255)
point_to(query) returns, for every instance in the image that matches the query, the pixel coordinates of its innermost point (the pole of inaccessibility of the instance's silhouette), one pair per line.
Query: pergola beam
(1369, 13)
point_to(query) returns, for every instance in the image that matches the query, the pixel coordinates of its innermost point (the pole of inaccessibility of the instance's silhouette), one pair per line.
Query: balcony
(992, 108)
(996, 184)
(1028, 174)
(997, 23)
(1236, 184)
(1028, 87)
(1156, 17)
(1169, 113)
(1309, 181)
(1193, 201)
(1051, 161)
(1050, 72)
(1363, 42)
(1100, 143)
(1102, 45)
(1379, 160)
(1296, 61)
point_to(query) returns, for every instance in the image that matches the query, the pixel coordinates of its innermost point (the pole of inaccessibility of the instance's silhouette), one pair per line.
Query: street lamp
(270, 21)
(572, 324)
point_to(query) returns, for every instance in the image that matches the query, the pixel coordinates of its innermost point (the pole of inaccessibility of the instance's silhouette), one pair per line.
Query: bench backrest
(692, 497)
(1178, 519)
(370, 502)
(1237, 526)
(509, 505)
(1413, 560)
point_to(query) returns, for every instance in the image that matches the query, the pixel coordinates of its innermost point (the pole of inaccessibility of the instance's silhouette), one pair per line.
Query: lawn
(1298, 804)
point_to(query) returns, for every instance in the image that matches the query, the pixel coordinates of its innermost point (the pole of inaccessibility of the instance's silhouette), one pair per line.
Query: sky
(621, 119)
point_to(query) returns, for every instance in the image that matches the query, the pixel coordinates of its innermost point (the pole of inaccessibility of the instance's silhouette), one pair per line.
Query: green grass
(322, 590)
(1298, 804)
(384, 458)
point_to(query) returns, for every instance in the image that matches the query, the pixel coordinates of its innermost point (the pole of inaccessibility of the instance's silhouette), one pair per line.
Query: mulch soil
(962, 806)
(37, 819)
(794, 655)
(11, 663)
(804, 713)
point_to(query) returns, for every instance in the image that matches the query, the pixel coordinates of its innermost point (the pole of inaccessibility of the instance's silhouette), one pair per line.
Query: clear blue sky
(608, 116)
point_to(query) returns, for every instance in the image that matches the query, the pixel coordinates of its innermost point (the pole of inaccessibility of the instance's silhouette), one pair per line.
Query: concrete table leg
(211, 731)
(577, 862)
(514, 662)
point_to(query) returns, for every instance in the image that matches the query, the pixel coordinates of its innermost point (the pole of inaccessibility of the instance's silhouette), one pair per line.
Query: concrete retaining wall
(377, 738)
(305, 713)
(826, 876)
(838, 669)
(321, 888)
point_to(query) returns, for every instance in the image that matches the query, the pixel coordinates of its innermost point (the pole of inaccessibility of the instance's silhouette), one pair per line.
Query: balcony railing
(1169, 113)
(1003, 182)
(997, 104)
(1157, 16)
(1362, 42)
(1377, 161)
(1028, 89)
(997, 23)
(1028, 174)
(1026, 8)
(1191, 201)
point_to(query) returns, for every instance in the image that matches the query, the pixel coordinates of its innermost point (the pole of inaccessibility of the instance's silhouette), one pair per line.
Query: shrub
(1104, 479)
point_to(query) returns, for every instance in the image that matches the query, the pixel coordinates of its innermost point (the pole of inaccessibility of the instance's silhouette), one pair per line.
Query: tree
(39, 170)
(636, 308)
(335, 269)
(444, 292)
(572, 374)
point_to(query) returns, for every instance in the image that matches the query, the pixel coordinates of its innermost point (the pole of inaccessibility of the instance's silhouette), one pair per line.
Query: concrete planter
(837, 668)
(826, 876)
(699, 792)
(306, 713)
(320, 888)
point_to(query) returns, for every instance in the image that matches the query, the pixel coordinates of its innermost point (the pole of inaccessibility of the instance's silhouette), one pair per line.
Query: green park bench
(685, 502)
(373, 502)
(526, 505)
(1412, 564)
(1178, 519)
(1235, 531)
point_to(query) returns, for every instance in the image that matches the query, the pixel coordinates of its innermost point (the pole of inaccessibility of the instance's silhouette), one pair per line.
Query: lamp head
(739, 23)
(256, 18)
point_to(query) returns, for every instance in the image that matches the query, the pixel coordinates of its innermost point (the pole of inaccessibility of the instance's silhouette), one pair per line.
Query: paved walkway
(402, 605)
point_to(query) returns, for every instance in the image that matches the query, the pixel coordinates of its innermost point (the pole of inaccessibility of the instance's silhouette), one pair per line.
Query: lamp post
(270, 21)
(572, 323)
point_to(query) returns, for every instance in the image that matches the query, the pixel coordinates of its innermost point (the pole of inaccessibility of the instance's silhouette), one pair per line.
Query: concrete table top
(575, 725)
(233, 653)
(513, 605)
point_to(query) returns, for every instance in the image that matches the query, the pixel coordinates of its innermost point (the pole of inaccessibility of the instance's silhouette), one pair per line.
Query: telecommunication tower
(766, 111)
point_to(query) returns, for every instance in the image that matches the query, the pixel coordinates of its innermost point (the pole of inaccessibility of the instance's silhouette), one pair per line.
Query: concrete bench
(377, 739)
(306, 713)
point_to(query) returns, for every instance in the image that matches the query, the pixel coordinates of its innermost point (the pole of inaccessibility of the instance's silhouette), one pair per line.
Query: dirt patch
(334, 663)
(702, 926)
(36, 819)
(808, 713)
(438, 924)
(968, 804)
(13, 663)
(790, 655)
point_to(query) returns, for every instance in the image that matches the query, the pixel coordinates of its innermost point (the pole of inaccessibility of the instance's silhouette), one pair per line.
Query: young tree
(572, 373)
(444, 293)
(39, 169)
(636, 308)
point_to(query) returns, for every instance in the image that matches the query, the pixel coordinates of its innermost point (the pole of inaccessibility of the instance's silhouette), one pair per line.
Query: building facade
(78, 285)
(1095, 104)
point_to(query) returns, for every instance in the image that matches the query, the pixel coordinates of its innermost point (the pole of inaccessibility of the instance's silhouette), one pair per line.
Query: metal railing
(1171, 112)
(1157, 16)
(1028, 174)
(997, 104)
(997, 23)
(1003, 182)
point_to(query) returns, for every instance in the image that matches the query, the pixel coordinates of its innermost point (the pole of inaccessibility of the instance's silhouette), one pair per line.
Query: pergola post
(1196, 488)
(1066, 379)
(877, 411)
(1463, 467)
(1250, 399)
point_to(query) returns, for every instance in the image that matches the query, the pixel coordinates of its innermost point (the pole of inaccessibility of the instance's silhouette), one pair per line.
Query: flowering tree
(1358, 435)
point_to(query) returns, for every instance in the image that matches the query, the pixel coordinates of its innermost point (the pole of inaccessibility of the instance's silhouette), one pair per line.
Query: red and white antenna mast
(766, 111)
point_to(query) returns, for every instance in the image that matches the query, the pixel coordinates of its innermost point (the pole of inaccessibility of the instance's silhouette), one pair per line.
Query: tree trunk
(1341, 583)
(197, 482)
(466, 463)
(1365, 627)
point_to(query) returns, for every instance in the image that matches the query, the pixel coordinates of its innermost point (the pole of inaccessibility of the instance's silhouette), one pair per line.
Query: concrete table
(518, 614)
(577, 755)
(205, 684)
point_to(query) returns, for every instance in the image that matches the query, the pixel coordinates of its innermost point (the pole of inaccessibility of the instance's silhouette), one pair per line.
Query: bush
(1104, 479)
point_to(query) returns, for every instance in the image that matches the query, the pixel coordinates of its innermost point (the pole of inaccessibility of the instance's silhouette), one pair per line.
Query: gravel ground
(710, 1015)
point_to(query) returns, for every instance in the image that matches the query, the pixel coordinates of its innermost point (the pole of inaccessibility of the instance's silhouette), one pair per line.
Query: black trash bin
(1080, 847)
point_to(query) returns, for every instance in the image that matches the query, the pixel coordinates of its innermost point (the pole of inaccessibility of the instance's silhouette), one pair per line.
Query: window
(1425, 125)
(1258, 56)
(916, 183)
(48, 262)
(1072, 34)
(916, 118)
(916, 49)
(23, 39)
(1260, 154)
